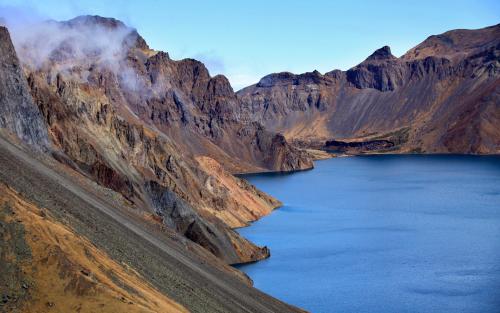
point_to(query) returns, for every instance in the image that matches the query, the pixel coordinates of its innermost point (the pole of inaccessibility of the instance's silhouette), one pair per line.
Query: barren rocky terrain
(443, 96)
(144, 144)
(111, 208)
(136, 249)
(117, 163)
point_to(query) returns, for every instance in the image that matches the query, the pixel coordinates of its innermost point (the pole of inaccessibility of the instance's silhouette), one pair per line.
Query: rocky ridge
(118, 213)
(134, 120)
(440, 97)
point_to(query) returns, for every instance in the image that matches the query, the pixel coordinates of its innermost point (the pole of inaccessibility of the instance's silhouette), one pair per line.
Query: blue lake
(390, 233)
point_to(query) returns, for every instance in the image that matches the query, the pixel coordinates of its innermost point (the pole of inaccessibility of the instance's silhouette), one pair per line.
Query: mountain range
(442, 96)
(117, 159)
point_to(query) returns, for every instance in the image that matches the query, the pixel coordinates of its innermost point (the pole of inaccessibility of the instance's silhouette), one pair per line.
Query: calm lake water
(383, 234)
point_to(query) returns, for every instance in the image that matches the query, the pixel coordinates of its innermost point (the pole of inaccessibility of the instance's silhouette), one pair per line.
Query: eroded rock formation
(17, 112)
(135, 121)
(441, 96)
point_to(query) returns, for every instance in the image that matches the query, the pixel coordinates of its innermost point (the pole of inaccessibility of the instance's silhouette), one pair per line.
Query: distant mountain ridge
(440, 97)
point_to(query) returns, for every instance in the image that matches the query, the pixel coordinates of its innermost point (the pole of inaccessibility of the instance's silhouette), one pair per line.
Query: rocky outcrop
(281, 155)
(137, 122)
(18, 114)
(379, 71)
(358, 146)
(441, 96)
(249, 204)
(200, 107)
(143, 164)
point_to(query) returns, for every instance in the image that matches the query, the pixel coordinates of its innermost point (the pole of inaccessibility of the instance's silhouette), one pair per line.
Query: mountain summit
(383, 53)
(440, 97)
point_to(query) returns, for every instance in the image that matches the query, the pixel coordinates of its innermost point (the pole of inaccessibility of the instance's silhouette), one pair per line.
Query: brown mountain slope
(441, 96)
(89, 135)
(48, 266)
(135, 121)
(456, 44)
(75, 209)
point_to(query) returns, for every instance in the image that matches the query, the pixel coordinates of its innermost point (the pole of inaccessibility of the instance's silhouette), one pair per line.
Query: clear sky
(246, 40)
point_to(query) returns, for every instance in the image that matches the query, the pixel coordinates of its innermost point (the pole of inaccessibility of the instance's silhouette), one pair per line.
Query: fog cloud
(74, 46)
(69, 43)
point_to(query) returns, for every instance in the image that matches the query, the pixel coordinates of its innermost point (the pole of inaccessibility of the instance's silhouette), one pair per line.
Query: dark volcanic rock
(383, 53)
(358, 146)
(18, 113)
(379, 71)
(281, 155)
(445, 91)
(286, 78)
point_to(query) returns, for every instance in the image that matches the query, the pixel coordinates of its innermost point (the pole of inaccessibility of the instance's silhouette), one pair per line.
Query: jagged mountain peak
(435, 98)
(136, 121)
(95, 20)
(110, 23)
(383, 53)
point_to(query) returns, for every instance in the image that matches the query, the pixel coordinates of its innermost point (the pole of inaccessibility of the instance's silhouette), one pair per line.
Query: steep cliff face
(136, 121)
(379, 71)
(202, 114)
(441, 96)
(18, 114)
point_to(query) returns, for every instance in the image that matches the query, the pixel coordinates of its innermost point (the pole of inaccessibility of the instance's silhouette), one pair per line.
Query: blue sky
(246, 40)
